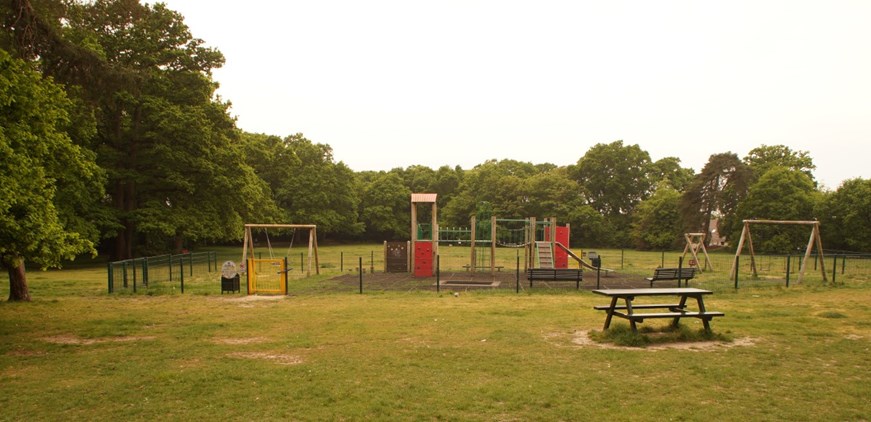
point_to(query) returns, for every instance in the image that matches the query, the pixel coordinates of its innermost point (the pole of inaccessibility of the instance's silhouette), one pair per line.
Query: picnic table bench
(676, 311)
(662, 274)
(555, 274)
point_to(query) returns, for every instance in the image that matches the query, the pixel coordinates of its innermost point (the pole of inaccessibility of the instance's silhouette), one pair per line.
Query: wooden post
(435, 232)
(820, 251)
(752, 252)
(738, 250)
(533, 226)
(314, 234)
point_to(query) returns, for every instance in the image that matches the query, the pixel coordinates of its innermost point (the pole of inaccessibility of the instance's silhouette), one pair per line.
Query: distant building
(717, 239)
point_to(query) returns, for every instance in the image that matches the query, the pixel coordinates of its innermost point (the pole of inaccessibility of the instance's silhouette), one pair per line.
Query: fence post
(834, 269)
(360, 270)
(788, 268)
(517, 275)
(371, 262)
(170, 267)
(342, 262)
(111, 278)
(284, 272)
(145, 270)
(181, 271)
(737, 270)
(124, 268)
(191, 261)
(125, 278)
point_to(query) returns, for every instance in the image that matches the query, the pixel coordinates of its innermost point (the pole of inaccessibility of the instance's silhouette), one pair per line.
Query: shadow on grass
(622, 335)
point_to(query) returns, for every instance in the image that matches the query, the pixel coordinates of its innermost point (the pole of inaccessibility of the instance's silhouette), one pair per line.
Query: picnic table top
(690, 291)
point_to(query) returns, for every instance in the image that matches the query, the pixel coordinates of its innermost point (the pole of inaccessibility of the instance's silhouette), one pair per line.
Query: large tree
(307, 184)
(780, 194)
(656, 223)
(39, 166)
(384, 207)
(765, 157)
(168, 144)
(715, 192)
(500, 183)
(615, 177)
(845, 215)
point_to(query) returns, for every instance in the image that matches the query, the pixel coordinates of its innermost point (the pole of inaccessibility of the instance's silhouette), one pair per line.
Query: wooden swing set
(695, 243)
(274, 279)
(814, 239)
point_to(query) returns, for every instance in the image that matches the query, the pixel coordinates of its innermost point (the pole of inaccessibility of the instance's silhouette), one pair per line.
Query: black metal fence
(340, 269)
(159, 271)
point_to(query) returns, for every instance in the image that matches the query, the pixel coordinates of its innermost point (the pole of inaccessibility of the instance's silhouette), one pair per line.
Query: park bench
(555, 274)
(662, 274)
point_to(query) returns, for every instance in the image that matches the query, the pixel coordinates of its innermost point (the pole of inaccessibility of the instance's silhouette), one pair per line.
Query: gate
(267, 276)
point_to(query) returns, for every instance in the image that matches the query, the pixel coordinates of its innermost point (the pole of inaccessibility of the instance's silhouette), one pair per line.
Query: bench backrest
(688, 272)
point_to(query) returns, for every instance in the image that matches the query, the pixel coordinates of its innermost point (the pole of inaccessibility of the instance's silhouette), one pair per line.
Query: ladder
(545, 254)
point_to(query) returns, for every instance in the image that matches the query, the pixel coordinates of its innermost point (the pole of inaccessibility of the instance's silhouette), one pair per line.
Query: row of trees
(112, 138)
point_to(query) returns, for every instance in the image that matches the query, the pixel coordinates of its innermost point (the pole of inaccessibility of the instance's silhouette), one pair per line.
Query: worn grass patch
(622, 335)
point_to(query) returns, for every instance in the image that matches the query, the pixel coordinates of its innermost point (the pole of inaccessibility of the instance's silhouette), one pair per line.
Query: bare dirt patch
(278, 358)
(582, 339)
(75, 340)
(243, 340)
(258, 298)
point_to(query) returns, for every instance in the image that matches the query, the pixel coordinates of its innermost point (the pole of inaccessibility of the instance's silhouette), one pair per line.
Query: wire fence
(159, 272)
(363, 268)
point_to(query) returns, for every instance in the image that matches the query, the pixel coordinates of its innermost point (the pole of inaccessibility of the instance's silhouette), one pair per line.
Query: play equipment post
(737, 266)
(438, 273)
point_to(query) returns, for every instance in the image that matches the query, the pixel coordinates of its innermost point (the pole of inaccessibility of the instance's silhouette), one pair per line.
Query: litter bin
(229, 278)
(595, 259)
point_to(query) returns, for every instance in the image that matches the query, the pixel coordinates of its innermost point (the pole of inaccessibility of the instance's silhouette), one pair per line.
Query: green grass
(77, 353)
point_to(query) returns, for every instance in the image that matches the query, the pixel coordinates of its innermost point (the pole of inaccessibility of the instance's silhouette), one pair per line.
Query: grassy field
(77, 353)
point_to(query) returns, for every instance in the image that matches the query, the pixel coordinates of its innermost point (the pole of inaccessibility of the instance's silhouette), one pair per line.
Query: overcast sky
(396, 83)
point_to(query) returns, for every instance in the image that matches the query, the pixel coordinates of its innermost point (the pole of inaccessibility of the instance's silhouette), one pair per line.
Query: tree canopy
(39, 166)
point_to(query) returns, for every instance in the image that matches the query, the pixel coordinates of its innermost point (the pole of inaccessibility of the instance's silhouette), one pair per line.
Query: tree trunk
(18, 291)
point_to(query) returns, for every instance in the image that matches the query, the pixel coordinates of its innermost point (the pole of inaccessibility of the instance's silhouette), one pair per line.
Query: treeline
(112, 137)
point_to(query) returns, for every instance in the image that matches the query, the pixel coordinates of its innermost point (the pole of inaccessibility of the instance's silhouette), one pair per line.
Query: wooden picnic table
(676, 311)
